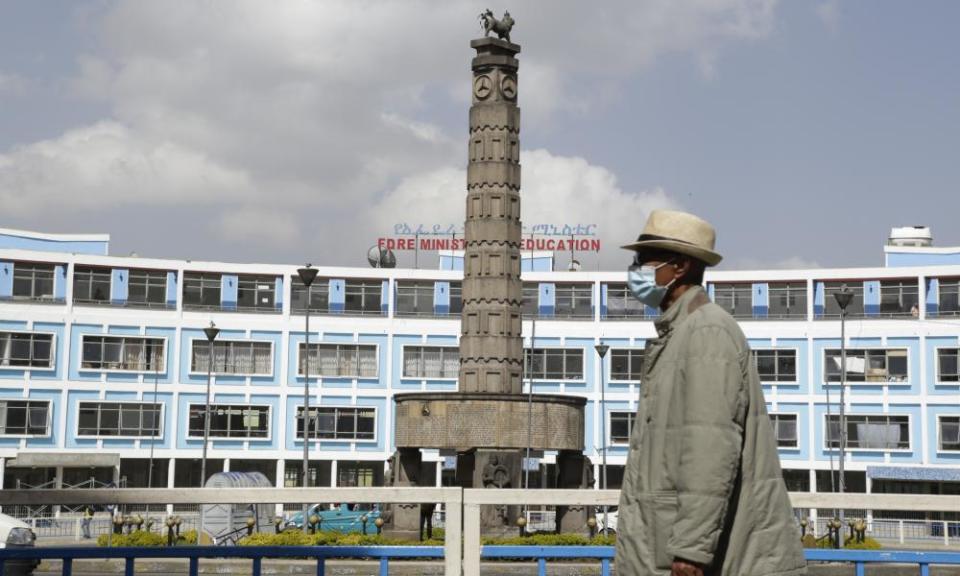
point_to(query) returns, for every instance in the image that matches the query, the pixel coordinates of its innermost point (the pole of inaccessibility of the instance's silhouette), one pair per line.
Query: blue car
(345, 518)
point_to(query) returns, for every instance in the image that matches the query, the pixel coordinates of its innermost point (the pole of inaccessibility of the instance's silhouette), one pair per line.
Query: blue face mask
(642, 281)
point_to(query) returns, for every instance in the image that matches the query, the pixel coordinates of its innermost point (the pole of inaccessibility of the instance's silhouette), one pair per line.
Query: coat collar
(690, 301)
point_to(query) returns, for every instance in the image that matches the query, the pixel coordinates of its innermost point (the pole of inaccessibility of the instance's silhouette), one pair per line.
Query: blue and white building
(103, 363)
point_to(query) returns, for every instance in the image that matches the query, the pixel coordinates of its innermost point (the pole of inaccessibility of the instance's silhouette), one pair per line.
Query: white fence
(461, 506)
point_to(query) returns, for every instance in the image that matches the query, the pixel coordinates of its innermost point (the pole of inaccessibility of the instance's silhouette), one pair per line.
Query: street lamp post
(307, 276)
(602, 352)
(211, 332)
(843, 298)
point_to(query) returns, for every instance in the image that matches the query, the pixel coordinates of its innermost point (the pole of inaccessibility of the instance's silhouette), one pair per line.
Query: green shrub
(139, 538)
(552, 540)
(188, 537)
(850, 543)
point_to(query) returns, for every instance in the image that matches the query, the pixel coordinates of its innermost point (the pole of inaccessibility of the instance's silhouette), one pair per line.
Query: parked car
(345, 518)
(16, 534)
(612, 516)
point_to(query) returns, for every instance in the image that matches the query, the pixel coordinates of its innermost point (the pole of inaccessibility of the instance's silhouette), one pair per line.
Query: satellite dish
(381, 258)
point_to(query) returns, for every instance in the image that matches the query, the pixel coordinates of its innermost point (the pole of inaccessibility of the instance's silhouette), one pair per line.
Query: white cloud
(12, 84)
(273, 227)
(319, 107)
(106, 165)
(788, 263)
(556, 190)
(829, 14)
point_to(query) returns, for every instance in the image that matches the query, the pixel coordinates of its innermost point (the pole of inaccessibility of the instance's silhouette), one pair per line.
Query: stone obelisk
(491, 345)
(489, 423)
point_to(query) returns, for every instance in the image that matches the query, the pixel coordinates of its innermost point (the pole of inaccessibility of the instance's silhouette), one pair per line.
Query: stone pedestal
(497, 469)
(406, 468)
(574, 470)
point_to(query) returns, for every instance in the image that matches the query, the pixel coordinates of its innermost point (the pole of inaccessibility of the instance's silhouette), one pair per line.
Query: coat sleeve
(711, 432)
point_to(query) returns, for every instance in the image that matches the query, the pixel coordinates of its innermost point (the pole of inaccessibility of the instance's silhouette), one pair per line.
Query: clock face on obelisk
(482, 87)
(508, 87)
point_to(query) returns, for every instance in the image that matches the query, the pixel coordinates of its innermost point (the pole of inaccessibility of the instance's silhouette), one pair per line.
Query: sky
(302, 131)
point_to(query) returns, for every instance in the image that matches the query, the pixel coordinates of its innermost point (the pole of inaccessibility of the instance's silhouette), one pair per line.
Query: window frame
(527, 376)
(456, 287)
(297, 408)
(268, 438)
(415, 287)
(201, 276)
(257, 280)
(91, 274)
(826, 382)
(735, 289)
(826, 439)
(321, 288)
(366, 287)
(953, 283)
(631, 422)
(33, 296)
(937, 380)
(903, 287)
(48, 427)
(940, 448)
(574, 291)
(147, 273)
(629, 350)
(53, 350)
(796, 419)
(301, 345)
(789, 286)
(403, 355)
(191, 371)
(83, 338)
(796, 364)
(160, 420)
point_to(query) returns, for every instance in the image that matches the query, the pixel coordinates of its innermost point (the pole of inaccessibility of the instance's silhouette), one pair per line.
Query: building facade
(103, 364)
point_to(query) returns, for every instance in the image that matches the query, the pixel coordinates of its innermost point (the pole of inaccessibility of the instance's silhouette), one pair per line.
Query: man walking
(703, 493)
(87, 517)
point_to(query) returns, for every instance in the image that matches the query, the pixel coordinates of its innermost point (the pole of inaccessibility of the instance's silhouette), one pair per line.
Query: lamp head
(211, 331)
(307, 274)
(843, 297)
(601, 349)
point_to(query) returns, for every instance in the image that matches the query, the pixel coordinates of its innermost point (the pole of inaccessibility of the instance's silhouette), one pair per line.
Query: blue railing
(256, 554)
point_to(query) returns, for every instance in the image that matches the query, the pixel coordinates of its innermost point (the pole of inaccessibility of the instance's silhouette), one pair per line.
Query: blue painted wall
(172, 289)
(228, 291)
(25, 242)
(547, 299)
(441, 297)
(761, 300)
(337, 294)
(6, 279)
(119, 285)
(871, 297)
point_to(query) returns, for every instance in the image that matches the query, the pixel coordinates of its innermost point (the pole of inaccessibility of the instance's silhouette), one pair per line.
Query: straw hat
(678, 232)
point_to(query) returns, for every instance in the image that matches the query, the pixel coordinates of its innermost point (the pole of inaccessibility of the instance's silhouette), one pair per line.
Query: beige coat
(703, 480)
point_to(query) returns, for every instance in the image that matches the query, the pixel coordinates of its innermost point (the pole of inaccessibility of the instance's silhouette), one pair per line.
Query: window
(554, 363)
(899, 297)
(574, 300)
(201, 290)
(319, 295)
(737, 299)
(344, 360)
(132, 353)
(147, 288)
(129, 419)
(949, 297)
(231, 421)
(414, 299)
(948, 367)
(621, 427)
(362, 296)
(888, 365)
(26, 349)
(256, 293)
(622, 304)
(233, 357)
(530, 300)
(830, 308)
(785, 429)
(335, 423)
(626, 364)
(24, 417)
(456, 298)
(874, 432)
(431, 362)
(787, 300)
(91, 285)
(949, 433)
(33, 281)
(776, 365)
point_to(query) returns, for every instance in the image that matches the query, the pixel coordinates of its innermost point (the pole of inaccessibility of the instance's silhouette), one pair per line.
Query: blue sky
(295, 131)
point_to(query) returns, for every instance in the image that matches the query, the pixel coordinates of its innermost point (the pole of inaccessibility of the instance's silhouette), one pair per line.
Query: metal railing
(462, 548)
